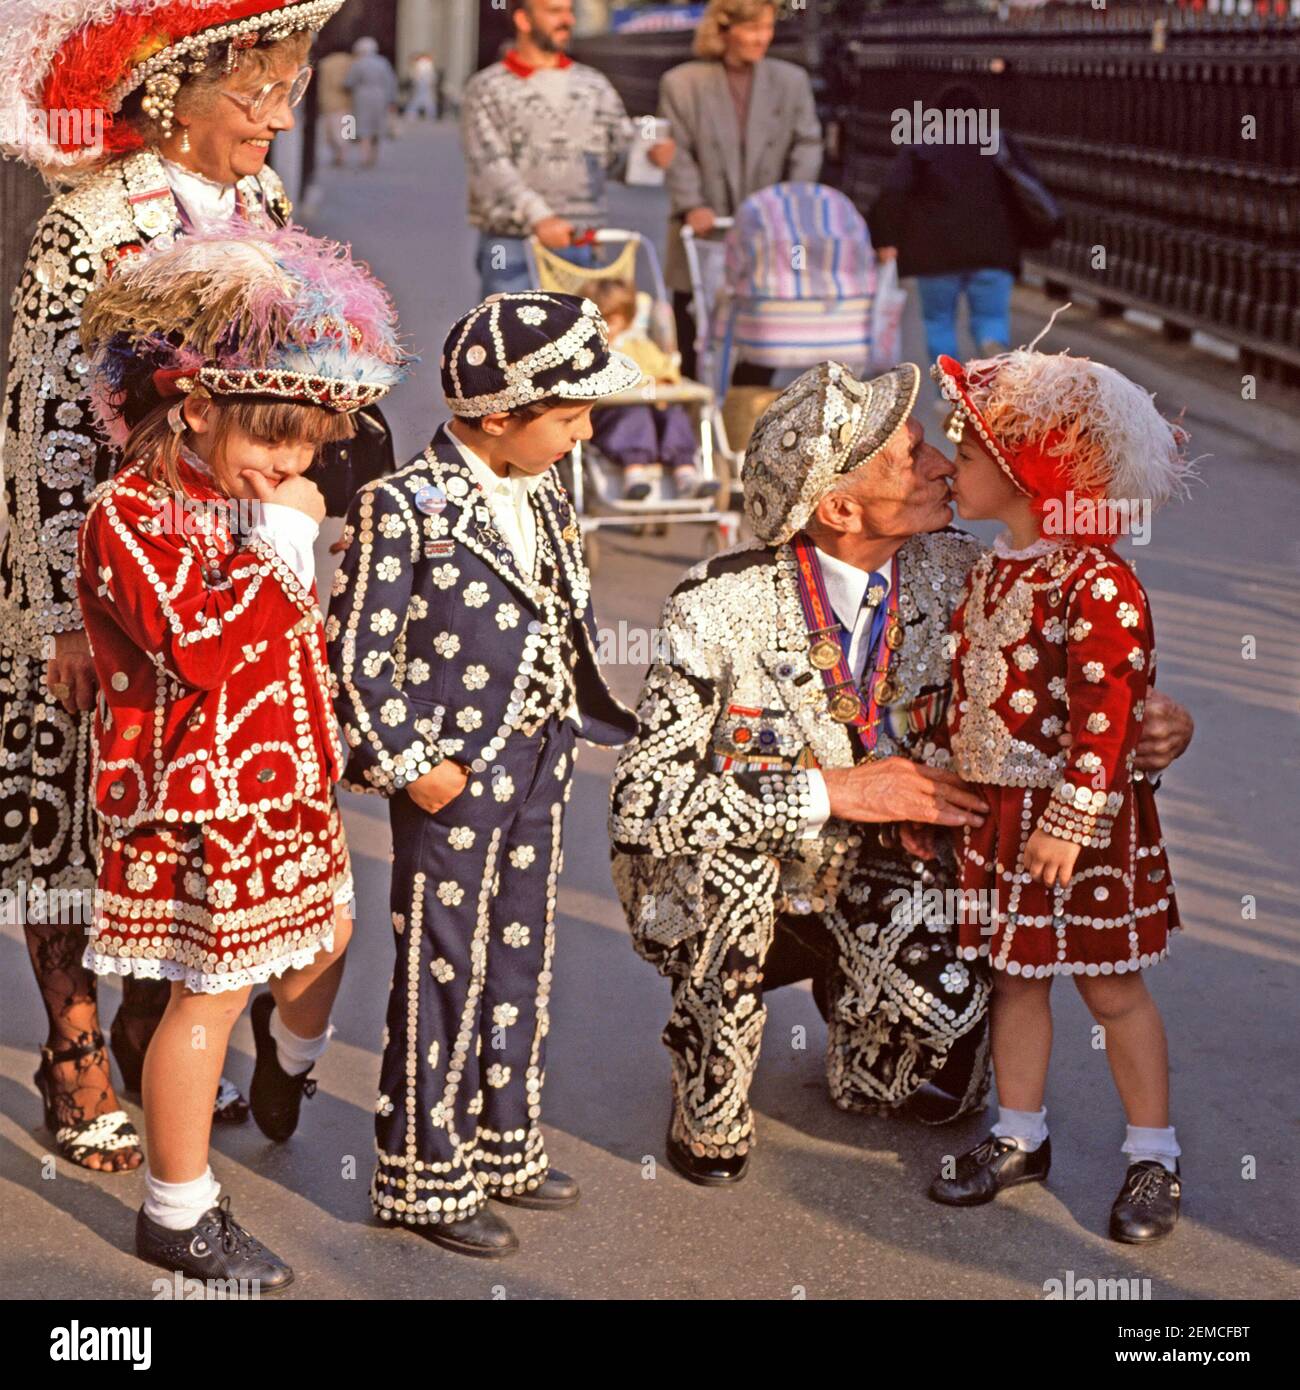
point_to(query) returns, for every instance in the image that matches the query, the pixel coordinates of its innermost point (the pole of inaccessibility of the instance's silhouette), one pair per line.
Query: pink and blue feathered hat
(240, 312)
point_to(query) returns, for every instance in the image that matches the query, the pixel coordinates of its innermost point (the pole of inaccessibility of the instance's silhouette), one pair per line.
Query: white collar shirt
(508, 502)
(846, 586)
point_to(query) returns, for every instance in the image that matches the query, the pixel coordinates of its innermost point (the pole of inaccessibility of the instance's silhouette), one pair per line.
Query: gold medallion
(570, 533)
(894, 635)
(844, 707)
(825, 653)
(887, 691)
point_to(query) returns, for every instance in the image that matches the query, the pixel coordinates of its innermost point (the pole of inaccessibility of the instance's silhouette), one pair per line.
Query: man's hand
(920, 841)
(661, 153)
(439, 787)
(1166, 731)
(70, 676)
(896, 789)
(1050, 860)
(701, 220)
(555, 233)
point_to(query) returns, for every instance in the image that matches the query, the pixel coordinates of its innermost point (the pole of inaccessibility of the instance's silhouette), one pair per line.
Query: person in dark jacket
(946, 211)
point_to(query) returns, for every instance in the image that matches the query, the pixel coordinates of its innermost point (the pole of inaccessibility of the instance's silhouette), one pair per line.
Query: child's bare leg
(1135, 1044)
(304, 998)
(181, 1072)
(1020, 1035)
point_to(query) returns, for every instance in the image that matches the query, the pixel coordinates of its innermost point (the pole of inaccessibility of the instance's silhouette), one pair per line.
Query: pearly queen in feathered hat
(823, 426)
(66, 66)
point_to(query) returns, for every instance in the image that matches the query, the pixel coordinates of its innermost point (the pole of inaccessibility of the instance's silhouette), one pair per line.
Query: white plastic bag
(887, 317)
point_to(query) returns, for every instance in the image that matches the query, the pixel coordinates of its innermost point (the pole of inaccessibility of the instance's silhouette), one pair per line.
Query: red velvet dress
(221, 853)
(1058, 637)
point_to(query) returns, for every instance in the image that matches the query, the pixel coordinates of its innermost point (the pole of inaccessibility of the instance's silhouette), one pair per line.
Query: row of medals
(846, 704)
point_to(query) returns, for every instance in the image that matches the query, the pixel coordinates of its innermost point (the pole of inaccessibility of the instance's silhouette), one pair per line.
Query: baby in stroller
(640, 438)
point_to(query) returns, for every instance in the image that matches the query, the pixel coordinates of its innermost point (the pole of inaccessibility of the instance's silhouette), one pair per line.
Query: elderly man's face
(902, 492)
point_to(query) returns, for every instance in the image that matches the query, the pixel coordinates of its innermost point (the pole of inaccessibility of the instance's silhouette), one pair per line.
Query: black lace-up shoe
(1147, 1205)
(556, 1191)
(484, 1235)
(989, 1167)
(275, 1096)
(217, 1247)
(706, 1171)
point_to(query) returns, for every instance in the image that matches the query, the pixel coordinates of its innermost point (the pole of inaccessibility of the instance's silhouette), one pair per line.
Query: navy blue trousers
(473, 902)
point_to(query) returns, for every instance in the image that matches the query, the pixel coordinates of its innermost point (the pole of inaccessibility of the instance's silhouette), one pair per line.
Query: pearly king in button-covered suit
(712, 805)
(444, 648)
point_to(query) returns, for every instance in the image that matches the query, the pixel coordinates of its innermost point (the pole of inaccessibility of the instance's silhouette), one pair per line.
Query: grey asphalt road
(835, 1204)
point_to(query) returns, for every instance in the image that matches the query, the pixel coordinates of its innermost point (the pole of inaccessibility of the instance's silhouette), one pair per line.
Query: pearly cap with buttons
(823, 425)
(517, 348)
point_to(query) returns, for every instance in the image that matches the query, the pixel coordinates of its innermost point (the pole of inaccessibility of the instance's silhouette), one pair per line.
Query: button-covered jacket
(440, 647)
(210, 656)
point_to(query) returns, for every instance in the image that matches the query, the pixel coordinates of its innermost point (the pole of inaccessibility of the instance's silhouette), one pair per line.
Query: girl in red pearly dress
(1053, 636)
(219, 365)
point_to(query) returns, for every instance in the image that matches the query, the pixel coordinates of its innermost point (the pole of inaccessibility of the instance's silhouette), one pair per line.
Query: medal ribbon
(824, 633)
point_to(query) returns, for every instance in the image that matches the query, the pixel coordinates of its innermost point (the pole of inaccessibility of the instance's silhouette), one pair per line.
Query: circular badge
(844, 707)
(457, 487)
(431, 499)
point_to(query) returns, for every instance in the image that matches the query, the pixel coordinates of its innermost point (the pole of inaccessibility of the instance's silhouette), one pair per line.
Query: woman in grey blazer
(741, 121)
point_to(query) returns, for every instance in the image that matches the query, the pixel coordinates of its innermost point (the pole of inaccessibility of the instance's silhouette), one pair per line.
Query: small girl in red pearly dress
(219, 365)
(1053, 636)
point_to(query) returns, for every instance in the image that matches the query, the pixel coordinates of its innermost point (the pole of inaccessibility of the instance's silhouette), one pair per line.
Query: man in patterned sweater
(540, 133)
(804, 672)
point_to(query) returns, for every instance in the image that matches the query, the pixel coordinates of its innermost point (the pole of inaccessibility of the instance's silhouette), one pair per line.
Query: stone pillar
(455, 48)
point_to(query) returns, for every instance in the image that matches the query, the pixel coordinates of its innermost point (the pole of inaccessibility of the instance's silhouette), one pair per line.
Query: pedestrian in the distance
(373, 85)
(219, 367)
(334, 103)
(740, 121)
(1054, 635)
(948, 213)
(464, 644)
(423, 101)
(541, 135)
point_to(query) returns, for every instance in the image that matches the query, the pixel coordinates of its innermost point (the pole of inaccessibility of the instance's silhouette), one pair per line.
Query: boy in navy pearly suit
(463, 644)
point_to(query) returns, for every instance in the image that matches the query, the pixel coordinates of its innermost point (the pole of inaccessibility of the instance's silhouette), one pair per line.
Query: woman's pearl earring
(185, 139)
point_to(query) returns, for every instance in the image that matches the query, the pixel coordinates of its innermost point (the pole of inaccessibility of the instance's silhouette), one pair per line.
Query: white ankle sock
(1027, 1127)
(179, 1205)
(296, 1055)
(1158, 1144)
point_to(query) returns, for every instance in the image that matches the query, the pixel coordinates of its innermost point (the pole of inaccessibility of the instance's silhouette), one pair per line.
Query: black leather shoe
(275, 1096)
(986, 1169)
(1147, 1205)
(217, 1247)
(484, 1235)
(558, 1190)
(707, 1172)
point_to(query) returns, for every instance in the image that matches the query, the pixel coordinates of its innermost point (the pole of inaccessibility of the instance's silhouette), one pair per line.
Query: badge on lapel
(431, 499)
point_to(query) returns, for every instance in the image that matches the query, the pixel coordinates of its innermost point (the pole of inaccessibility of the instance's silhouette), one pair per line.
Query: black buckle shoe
(230, 1107)
(484, 1235)
(1148, 1203)
(706, 1171)
(986, 1169)
(217, 1247)
(275, 1096)
(556, 1191)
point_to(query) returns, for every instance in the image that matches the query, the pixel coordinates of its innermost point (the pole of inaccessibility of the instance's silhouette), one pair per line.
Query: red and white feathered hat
(66, 66)
(1058, 424)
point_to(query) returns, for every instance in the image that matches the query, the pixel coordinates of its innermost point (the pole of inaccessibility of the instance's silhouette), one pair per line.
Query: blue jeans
(988, 296)
(512, 272)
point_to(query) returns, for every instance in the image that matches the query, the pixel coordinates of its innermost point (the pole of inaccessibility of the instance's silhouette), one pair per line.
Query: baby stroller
(595, 483)
(789, 282)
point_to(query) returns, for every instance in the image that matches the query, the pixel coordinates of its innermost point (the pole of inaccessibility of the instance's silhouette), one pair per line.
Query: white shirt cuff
(292, 535)
(821, 805)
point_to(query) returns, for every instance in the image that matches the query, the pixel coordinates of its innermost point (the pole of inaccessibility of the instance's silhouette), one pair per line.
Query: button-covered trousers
(473, 902)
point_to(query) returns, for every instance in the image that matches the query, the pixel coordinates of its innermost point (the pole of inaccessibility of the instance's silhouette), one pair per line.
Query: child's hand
(299, 493)
(920, 841)
(439, 787)
(1050, 860)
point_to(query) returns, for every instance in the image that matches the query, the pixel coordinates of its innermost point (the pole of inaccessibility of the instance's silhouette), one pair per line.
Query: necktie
(873, 601)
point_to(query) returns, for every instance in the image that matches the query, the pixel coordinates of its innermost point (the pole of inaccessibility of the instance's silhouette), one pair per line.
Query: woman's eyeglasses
(258, 105)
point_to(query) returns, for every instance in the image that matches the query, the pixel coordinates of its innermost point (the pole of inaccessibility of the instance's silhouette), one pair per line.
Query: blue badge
(431, 499)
